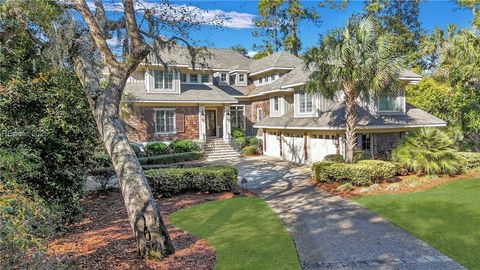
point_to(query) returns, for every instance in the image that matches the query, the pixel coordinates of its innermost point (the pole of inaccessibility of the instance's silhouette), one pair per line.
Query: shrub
(136, 149)
(239, 143)
(334, 158)
(253, 141)
(171, 158)
(249, 150)
(428, 151)
(471, 160)
(361, 155)
(169, 181)
(364, 172)
(157, 148)
(184, 145)
(237, 133)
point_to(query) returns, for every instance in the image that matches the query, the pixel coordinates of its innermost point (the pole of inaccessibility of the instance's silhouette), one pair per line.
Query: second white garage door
(293, 147)
(320, 146)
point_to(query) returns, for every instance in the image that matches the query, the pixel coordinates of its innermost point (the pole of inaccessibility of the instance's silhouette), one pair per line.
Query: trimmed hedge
(365, 172)
(184, 145)
(471, 160)
(239, 143)
(334, 158)
(170, 181)
(157, 148)
(171, 158)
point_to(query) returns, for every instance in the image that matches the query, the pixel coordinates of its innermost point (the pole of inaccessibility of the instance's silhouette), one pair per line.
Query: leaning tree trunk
(350, 123)
(150, 232)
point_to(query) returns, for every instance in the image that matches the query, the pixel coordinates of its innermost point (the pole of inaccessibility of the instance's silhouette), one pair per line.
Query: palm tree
(357, 59)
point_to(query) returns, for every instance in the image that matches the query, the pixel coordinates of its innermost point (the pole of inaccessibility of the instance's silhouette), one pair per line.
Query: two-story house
(265, 98)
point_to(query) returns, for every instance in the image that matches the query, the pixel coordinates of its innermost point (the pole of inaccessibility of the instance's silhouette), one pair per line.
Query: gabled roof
(335, 119)
(213, 58)
(276, 60)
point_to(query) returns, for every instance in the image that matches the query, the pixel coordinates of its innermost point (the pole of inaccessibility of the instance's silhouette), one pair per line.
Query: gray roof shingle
(276, 60)
(335, 119)
(189, 93)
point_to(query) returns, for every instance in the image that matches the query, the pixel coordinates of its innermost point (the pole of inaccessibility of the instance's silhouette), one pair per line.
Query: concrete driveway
(331, 232)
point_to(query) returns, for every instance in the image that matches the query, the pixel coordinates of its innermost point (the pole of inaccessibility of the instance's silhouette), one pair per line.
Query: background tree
(400, 20)
(357, 59)
(474, 6)
(240, 49)
(278, 24)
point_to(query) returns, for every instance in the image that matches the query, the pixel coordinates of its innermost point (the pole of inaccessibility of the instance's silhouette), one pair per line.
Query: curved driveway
(331, 232)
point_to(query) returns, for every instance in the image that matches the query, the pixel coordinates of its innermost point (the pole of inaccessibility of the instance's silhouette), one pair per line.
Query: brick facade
(140, 127)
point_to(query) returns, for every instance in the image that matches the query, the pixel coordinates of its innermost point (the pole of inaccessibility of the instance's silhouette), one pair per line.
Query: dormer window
(260, 80)
(305, 103)
(388, 103)
(163, 80)
(241, 77)
(194, 78)
(272, 77)
(223, 77)
(183, 77)
(205, 78)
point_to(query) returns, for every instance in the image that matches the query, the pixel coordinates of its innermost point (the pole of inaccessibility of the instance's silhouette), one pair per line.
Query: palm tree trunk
(350, 123)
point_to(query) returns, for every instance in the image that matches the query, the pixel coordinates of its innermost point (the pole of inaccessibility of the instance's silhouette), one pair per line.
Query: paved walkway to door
(331, 232)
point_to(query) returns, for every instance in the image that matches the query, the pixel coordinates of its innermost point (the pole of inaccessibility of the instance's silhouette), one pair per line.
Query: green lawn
(245, 233)
(447, 217)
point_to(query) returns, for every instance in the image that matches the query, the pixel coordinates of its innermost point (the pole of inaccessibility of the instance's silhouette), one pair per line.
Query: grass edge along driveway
(447, 217)
(244, 232)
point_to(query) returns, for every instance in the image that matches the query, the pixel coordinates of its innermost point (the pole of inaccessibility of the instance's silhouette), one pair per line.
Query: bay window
(165, 121)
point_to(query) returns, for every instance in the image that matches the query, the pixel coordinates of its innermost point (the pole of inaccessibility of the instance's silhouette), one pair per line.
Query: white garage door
(320, 146)
(293, 147)
(272, 144)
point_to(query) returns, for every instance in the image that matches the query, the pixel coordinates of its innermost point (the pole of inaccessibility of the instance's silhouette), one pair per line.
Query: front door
(211, 122)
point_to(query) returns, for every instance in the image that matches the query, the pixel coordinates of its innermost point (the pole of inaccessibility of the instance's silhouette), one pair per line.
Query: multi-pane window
(163, 80)
(223, 77)
(366, 142)
(205, 78)
(305, 103)
(194, 78)
(276, 104)
(165, 121)
(237, 116)
(241, 77)
(260, 80)
(272, 77)
(183, 77)
(387, 103)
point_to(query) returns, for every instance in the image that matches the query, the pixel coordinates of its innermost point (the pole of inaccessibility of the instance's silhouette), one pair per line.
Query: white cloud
(229, 19)
(251, 53)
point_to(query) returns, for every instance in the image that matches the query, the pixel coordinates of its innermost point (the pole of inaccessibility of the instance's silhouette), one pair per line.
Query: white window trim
(273, 103)
(221, 79)
(174, 120)
(259, 111)
(163, 82)
(199, 79)
(240, 75)
(297, 104)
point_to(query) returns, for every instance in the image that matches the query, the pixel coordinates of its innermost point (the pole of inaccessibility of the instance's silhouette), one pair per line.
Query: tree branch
(96, 33)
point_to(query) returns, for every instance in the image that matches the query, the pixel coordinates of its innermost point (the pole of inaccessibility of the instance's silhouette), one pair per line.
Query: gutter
(358, 127)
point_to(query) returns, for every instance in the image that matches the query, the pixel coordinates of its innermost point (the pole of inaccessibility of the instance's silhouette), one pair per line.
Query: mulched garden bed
(402, 184)
(103, 239)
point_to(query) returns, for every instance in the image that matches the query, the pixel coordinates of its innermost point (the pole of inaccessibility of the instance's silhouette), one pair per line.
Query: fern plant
(428, 151)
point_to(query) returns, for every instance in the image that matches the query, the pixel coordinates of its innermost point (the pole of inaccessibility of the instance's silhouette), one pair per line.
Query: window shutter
(180, 122)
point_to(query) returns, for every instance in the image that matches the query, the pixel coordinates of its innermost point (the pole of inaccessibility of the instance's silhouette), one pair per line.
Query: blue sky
(239, 29)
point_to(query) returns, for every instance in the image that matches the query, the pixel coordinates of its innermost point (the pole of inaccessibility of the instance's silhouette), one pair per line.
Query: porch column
(226, 123)
(202, 136)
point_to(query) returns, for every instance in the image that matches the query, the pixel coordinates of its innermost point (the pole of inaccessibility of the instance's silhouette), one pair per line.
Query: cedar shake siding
(141, 124)
(265, 106)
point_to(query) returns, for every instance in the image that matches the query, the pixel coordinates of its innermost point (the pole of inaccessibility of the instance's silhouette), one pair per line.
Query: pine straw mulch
(103, 239)
(400, 184)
